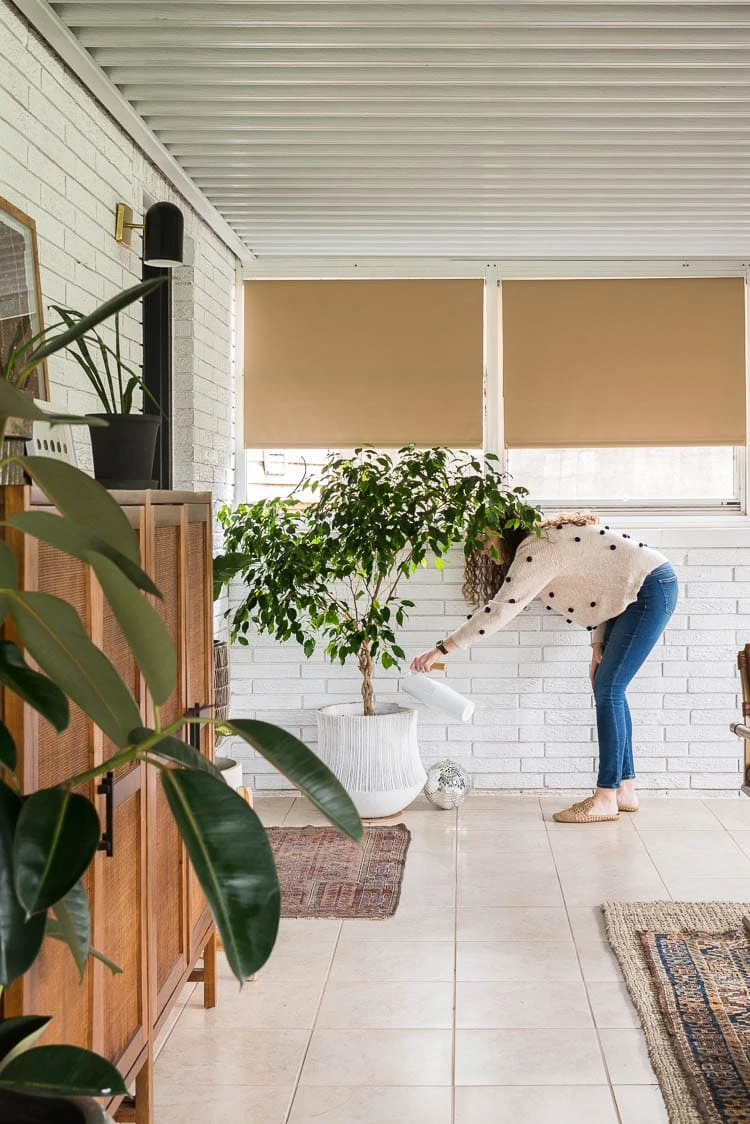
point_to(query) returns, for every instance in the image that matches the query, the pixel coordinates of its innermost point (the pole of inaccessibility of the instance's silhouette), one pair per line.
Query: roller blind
(623, 362)
(332, 364)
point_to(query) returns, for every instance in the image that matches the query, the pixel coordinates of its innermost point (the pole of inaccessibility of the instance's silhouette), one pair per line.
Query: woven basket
(222, 684)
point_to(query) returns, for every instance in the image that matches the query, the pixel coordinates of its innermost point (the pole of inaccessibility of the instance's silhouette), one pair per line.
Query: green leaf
(72, 922)
(33, 687)
(20, 940)
(56, 838)
(78, 542)
(63, 1069)
(55, 933)
(79, 330)
(8, 567)
(15, 404)
(17, 1034)
(172, 749)
(292, 758)
(51, 631)
(232, 859)
(84, 502)
(8, 756)
(142, 627)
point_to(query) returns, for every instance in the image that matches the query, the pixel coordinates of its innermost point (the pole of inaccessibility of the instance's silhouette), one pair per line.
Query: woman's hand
(597, 651)
(426, 660)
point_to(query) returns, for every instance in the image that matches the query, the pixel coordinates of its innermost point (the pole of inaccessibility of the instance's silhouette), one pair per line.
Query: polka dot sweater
(586, 574)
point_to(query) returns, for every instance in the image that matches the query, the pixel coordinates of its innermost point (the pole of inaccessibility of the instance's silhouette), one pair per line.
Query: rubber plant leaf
(8, 755)
(63, 1069)
(56, 839)
(77, 542)
(51, 632)
(33, 688)
(292, 758)
(180, 753)
(20, 940)
(141, 626)
(18, 1033)
(72, 924)
(232, 858)
(84, 502)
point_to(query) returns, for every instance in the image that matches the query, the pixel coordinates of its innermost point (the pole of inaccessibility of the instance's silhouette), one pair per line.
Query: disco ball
(447, 785)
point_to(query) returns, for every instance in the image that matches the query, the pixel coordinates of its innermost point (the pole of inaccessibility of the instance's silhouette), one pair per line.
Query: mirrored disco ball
(447, 785)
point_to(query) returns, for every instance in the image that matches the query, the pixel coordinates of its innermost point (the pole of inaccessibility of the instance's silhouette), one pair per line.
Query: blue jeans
(628, 641)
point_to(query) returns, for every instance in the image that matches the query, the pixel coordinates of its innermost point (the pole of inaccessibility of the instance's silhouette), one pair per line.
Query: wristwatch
(440, 645)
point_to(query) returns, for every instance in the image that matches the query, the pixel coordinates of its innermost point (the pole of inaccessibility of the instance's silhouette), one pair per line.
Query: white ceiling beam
(63, 42)
(94, 13)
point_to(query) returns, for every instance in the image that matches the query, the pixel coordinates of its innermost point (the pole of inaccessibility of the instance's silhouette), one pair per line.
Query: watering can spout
(439, 695)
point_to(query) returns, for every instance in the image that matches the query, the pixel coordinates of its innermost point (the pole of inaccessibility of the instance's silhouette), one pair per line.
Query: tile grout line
(321, 996)
(596, 1028)
(455, 968)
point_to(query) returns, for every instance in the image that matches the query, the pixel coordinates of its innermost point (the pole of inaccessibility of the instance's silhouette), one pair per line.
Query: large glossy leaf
(72, 924)
(56, 838)
(8, 756)
(84, 502)
(20, 940)
(172, 749)
(52, 633)
(86, 323)
(78, 542)
(63, 1069)
(142, 627)
(232, 858)
(33, 687)
(15, 404)
(8, 567)
(19, 1033)
(292, 758)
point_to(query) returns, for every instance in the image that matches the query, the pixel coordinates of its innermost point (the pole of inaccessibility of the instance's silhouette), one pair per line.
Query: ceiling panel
(515, 129)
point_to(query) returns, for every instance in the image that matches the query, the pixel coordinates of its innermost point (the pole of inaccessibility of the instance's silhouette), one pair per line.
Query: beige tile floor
(491, 996)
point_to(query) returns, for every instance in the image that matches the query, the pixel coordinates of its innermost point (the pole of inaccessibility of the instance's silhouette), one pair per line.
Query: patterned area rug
(323, 874)
(687, 968)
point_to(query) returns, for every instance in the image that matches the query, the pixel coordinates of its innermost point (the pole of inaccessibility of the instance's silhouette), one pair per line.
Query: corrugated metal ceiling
(515, 129)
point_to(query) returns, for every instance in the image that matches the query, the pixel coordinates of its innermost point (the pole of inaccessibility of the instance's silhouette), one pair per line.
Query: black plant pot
(124, 450)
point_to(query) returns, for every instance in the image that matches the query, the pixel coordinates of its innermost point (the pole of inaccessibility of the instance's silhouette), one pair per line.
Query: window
(633, 477)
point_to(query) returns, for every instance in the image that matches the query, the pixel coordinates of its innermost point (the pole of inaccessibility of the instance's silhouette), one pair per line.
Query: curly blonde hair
(484, 575)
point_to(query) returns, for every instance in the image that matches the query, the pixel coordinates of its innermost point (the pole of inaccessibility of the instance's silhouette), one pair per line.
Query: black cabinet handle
(106, 788)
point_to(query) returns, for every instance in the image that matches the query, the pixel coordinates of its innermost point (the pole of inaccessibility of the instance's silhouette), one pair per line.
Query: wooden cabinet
(148, 912)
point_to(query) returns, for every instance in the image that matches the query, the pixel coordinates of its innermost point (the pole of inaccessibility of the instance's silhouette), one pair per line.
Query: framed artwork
(20, 293)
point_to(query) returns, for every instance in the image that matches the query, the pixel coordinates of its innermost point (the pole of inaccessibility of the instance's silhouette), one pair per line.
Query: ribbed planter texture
(123, 450)
(376, 758)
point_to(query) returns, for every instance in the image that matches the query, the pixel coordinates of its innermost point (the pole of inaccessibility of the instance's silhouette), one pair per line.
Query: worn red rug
(323, 874)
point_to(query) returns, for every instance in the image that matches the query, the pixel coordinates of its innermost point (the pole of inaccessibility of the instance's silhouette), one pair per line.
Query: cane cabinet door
(120, 925)
(199, 675)
(168, 864)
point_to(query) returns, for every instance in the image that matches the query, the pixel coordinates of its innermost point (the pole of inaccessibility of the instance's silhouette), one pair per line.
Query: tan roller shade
(331, 364)
(624, 362)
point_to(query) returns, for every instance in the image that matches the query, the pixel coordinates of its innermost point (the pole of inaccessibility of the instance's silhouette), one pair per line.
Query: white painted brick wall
(66, 163)
(534, 722)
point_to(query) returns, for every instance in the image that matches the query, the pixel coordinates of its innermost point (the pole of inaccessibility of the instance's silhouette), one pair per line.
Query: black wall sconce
(162, 228)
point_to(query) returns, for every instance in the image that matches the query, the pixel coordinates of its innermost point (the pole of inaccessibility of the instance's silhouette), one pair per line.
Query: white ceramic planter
(230, 770)
(376, 758)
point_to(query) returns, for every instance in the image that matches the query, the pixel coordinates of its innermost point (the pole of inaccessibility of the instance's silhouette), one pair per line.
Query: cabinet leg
(209, 971)
(140, 1109)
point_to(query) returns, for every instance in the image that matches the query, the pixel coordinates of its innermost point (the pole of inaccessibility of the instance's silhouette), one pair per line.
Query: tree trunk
(365, 666)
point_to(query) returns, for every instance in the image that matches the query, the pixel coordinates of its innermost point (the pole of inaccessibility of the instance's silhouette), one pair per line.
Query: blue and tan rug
(687, 968)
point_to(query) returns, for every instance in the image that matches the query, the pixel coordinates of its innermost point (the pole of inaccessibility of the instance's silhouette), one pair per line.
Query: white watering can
(437, 694)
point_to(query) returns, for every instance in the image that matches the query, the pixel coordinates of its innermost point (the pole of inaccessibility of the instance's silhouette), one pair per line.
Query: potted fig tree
(332, 572)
